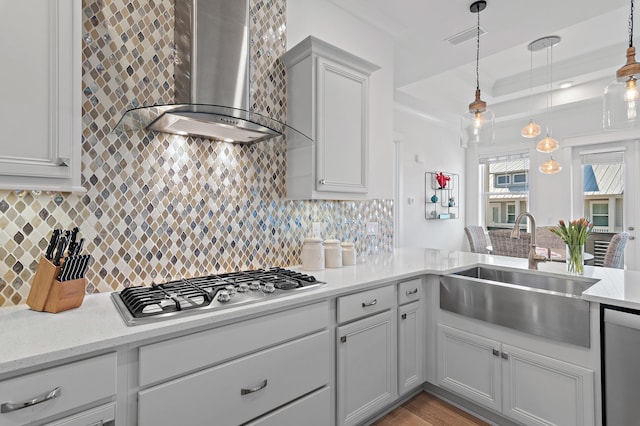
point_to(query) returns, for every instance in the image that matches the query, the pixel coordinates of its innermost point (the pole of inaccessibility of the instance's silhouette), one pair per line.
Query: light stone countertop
(29, 338)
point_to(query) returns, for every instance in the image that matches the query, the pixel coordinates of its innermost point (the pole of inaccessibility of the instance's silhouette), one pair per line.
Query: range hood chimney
(211, 78)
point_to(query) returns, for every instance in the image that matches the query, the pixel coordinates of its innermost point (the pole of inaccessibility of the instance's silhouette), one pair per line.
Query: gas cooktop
(146, 304)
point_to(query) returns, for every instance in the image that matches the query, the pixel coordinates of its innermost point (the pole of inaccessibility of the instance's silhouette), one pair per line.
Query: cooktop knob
(223, 296)
(231, 289)
(255, 285)
(269, 288)
(243, 288)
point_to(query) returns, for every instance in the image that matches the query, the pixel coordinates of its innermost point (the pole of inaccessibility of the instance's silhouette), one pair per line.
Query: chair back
(477, 239)
(547, 239)
(613, 258)
(504, 245)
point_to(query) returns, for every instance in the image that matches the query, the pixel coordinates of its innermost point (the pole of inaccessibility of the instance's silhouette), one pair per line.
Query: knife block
(50, 295)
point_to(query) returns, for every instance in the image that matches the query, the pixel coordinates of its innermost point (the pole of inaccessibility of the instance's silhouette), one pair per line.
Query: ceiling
(439, 78)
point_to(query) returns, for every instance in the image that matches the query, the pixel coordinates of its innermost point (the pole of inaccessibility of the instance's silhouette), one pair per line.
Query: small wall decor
(441, 195)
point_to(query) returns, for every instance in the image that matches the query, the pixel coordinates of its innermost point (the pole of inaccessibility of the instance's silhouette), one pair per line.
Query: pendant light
(532, 129)
(477, 124)
(550, 167)
(548, 143)
(621, 96)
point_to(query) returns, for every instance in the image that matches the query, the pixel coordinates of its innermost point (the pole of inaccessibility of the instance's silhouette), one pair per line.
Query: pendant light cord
(478, 53)
(631, 26)
(550, 98)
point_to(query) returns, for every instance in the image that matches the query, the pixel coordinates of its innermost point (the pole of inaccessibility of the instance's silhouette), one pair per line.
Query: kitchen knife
(78, 247)
(85, 265)
(76, 268)
(52, 244)
(72, 240)
(64, 271)
(62, 245)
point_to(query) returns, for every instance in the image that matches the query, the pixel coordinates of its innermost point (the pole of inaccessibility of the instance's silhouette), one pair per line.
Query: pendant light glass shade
(550, 167)
(547, 144)
(477, 124)
(531, 130)
(621, 98)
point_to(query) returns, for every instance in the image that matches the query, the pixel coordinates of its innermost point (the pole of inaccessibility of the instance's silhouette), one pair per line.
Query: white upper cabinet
(328, 100)
(40, 105)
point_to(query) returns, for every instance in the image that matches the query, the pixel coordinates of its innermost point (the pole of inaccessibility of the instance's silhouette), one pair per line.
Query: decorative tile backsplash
(162, 206)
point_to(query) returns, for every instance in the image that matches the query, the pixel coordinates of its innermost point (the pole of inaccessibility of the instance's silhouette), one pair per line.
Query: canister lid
(312, 240)
(330, 241)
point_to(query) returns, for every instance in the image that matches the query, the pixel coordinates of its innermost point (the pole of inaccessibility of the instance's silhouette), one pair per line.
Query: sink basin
(544, 305)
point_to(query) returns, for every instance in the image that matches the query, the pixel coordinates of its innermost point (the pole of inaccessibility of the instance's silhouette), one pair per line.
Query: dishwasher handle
(624, 319)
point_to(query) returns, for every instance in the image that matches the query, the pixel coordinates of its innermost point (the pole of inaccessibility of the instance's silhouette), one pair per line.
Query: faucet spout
(534, 258)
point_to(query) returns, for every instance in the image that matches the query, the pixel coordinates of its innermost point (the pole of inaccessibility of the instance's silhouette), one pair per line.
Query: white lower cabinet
(310, 410)
(366, 368)
(410, 347)
(530, 388)
(240, 390)
(60, 391)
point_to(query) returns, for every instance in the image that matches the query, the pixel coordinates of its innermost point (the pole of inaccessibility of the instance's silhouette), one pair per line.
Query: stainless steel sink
(545, 305)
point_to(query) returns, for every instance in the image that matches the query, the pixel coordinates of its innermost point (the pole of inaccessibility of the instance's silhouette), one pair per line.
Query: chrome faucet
(534, 258)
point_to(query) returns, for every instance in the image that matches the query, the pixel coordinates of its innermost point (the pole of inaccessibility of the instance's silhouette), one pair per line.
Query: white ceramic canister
(348, 254)
(332, 254)
(312, 254)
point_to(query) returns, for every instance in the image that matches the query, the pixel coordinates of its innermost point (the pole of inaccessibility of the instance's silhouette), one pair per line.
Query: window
(603, 189)
(505, 189)
(600, 213)
(511, 213)
(519, 178)
(503, 180)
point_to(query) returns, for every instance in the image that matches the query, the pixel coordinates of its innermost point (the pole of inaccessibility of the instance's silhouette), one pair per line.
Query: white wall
(440, 150)
(329, 23)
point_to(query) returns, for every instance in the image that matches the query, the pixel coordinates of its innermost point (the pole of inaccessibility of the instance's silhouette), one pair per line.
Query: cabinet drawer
(240, 390)
(409, 291)
(79, 383)
(365, 303)
(158, 360)
(312, 410)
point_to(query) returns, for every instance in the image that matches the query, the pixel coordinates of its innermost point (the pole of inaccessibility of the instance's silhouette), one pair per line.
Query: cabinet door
(540, 391)
(470, 366)
(366, 367)
(40, 111)
(342, 128)
(410, 347)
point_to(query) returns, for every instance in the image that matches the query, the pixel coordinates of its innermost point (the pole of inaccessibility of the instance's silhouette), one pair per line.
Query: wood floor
(426, 410)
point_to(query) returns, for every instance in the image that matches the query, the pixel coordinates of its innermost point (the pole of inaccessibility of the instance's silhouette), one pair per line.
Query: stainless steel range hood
(211, 79)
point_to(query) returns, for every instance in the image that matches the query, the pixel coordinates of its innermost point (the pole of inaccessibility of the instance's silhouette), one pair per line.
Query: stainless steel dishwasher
(621, 366)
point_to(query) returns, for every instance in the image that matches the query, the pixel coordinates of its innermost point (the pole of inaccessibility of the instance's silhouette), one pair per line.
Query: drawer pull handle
(373, 302)
(410, 292)
(261, 386)
(8, 407)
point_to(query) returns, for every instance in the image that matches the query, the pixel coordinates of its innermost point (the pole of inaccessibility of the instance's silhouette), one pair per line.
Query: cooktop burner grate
(180, 297)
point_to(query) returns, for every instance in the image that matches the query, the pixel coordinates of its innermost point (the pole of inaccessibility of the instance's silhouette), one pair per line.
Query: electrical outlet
(317, 229)
(372, 228)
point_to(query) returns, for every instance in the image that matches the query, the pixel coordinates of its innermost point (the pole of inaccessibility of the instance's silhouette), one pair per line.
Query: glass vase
(575, 259)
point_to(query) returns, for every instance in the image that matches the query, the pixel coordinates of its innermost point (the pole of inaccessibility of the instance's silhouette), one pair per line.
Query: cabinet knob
(404, 316)
(343, 339)
(496, 352)
(504, 355)
(322, 181)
